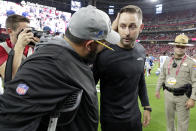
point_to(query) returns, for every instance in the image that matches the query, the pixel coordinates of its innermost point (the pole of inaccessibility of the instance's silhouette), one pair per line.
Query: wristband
(148, 109)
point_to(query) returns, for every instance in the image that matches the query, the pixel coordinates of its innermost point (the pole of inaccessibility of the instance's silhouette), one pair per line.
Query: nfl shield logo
(22, 89)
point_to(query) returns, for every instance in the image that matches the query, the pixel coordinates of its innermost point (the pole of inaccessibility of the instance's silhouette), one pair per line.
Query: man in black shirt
(121, 75)
(57, 69)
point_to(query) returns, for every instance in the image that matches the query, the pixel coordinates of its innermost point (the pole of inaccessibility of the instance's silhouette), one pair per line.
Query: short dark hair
(132, 9)
(74, 39)
(13, 21)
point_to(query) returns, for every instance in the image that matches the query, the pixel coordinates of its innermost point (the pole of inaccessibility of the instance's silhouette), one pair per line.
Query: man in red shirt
(18, 41)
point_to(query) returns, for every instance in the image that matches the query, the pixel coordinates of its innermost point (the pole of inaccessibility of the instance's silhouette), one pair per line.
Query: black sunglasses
(182, 47)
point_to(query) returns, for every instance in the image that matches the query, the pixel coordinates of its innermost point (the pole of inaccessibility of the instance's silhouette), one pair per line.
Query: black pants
(128, 126)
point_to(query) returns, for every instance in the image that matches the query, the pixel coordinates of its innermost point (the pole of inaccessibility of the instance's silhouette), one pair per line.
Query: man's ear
(88, 44)
(141, 27)
(9, 31)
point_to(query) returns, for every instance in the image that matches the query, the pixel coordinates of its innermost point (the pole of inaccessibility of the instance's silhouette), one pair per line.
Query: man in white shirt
(162, 60)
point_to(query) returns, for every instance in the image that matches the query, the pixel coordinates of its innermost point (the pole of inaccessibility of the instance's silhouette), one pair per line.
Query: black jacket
(121, 74)
(42, 82)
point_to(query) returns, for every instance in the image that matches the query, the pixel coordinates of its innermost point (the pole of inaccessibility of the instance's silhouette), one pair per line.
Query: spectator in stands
(179, 83)
(10, 11)
(122, 77)
(57, 69)
(46, 29)
(18, 42)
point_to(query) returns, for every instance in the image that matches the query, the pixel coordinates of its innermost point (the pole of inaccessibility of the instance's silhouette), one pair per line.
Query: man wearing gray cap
(55, 85)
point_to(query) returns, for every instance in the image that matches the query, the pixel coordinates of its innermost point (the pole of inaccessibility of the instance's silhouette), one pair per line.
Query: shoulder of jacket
(191, 60)
(139, 45)
(140, 48)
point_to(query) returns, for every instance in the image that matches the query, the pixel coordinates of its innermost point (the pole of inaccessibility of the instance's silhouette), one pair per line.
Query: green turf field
(158, 122)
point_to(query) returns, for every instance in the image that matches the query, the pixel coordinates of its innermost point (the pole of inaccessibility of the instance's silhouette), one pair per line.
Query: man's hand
(190, 103)
(146, 118)
(115, 23)
(157, 94)
(25, 38)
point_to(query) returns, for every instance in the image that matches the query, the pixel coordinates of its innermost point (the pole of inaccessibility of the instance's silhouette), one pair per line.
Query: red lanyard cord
(178, 69)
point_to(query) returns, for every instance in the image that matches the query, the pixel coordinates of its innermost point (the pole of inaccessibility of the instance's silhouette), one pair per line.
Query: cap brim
(113, 37)
(180, 44)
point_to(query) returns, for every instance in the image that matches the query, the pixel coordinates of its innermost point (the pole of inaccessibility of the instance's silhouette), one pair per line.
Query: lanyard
(178, 69)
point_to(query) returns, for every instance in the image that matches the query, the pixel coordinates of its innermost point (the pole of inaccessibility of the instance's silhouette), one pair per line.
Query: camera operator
(20, 35)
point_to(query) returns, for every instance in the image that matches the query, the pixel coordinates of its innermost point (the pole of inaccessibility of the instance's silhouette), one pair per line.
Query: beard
(90, 58)
(127, 42)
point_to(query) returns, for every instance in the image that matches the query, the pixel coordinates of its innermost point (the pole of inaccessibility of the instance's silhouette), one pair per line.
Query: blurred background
(163, 19)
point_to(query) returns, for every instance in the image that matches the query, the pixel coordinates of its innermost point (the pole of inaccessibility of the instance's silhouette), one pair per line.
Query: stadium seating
(158, 31)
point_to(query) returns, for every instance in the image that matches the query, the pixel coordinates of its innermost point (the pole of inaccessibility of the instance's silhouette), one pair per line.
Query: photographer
(18, 42)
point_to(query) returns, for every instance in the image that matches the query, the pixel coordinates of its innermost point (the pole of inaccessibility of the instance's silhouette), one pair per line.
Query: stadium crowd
(164, 36)
(156, 26)
(168, 18)
(41, 17)
(157, 49)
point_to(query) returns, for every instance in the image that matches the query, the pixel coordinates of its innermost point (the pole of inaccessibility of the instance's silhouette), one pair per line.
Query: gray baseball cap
(91, 23)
